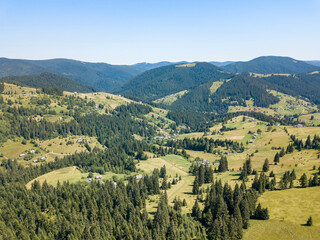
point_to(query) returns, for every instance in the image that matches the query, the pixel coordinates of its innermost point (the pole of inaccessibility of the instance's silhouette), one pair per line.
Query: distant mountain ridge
(102, 76)
(48, 80)
(271, 64)
(163, 81)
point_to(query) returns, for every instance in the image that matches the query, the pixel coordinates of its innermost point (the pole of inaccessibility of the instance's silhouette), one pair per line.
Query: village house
(139, 176)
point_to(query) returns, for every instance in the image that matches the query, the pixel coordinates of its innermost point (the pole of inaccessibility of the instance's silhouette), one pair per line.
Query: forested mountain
(303, 84)
(244, 87)
(233, 92)
(48, 80)
(160, 82)
(271, 64)
(99, 75)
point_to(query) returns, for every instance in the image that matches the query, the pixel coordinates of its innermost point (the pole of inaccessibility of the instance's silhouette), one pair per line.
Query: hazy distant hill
(315, 62)
(271, 64)
(221, 64)
(48, 80)
(99, 75)
(147, 66)
(160, 82)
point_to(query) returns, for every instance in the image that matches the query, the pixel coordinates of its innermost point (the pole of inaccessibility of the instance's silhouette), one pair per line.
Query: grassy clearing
(71, 175)
(275, 230)
(293, 205)
(312, 119)
(168, 100)
(215, 86)
(109, 101)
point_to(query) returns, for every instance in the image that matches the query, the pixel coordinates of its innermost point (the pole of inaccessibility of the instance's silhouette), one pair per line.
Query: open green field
(275, 230)
(289, 211)
(71, 175)
(307, 118)
(168, 100)
(293, 205)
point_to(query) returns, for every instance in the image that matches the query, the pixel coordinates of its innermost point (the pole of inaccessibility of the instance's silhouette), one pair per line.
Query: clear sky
(126, 32)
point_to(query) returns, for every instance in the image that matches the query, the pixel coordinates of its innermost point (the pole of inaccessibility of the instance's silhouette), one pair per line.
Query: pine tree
(304, 180)
(196, 212)
(265, 167)
(196, 188)
(164, 185)
(276, 159)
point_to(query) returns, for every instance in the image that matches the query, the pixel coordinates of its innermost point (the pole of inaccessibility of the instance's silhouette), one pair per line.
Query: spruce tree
(304, 180)
(196, 212)
(196, 187)
(276, 159)
(265, 167)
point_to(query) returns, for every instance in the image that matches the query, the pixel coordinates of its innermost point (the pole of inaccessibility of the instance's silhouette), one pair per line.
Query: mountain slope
(163, 81)
(48, 80)
(13, 67)
(99, 75)
(271, 64)
(232, 92)
(242, 87)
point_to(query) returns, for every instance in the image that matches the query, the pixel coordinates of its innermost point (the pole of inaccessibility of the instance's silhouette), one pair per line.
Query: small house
(227, 152)
(98, 177)
(251, 141)
(32, 151)
(139, 176)
(35, 160)
(22, 155)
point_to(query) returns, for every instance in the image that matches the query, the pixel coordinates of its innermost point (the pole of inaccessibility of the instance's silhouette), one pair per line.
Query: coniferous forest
(149, 171)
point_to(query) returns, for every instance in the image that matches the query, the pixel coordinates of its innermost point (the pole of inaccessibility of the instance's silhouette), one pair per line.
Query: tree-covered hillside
(271, 64)
(48, 80)
(99, 75)
(234, 92)
(160, 82)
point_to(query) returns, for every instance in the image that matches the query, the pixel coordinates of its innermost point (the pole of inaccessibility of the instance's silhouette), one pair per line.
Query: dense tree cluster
(223, 164)
(227, 211)
(48, 80)
(206, 144)
(52, 90)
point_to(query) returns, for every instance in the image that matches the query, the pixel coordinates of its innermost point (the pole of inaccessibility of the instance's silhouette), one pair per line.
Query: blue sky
(126, 32)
